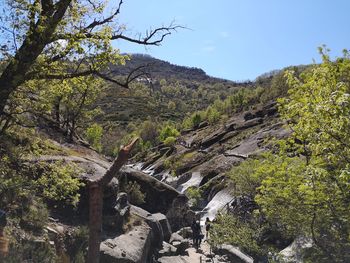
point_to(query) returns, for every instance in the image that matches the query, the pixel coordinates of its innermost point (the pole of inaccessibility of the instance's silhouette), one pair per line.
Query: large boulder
(164, 224)
(179, 214)
(132, 247)
(295, 251)
(158, 195)
(157, 235)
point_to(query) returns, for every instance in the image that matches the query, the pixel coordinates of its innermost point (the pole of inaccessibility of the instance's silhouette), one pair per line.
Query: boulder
(176, 237)
(132, 247)
(249, 124)
(164, 224)
(157, 235)
(181, 246)
(185, 232)
(158, 195)
(233, 254)
(294, 252)
(114, 219)
(213, 138)
(167, 250)
(180, 215)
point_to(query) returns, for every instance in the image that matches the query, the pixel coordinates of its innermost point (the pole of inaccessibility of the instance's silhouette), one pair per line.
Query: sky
(239, 39)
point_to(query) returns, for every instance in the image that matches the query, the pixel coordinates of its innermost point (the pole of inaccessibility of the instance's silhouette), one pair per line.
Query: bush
(170, 141)
(133, 190)
(168, 131)
(93, 135)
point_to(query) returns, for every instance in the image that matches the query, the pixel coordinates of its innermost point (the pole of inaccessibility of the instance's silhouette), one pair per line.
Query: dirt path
(198, 255)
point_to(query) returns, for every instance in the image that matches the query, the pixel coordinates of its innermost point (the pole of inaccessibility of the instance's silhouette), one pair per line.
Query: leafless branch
(153, 37)
(106, 20)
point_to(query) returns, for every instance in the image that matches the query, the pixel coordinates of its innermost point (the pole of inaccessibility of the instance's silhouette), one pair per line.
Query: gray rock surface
(132, 247)
(167, 250)
(233, 254)
(164, 224)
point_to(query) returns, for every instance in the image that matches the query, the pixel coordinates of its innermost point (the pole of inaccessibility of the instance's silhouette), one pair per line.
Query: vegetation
(302, 187)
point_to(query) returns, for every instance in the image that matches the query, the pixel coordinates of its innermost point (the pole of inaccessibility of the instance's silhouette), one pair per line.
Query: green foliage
(135, 195)
(195, 194)
(78, 244)
(60, 182)
(93, 135)
(169, 141)
(167, 131)
(227, 229)
(244, 178)
(213, 115)
(310, 194)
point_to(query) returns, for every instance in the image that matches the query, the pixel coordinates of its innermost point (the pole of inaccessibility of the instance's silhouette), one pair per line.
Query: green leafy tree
(309, 193)
(93, 135)
(60, 39)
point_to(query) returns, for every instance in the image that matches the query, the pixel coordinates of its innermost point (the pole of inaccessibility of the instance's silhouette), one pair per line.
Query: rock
(249, 124)
(203, 124)
(185, 232)
(294, 252)
(132, 247)
(176, 237)
(233, 254)
(175, 259)
(164, 224)
(167, 250)
(180, 215)
(213, 138)
(111, 189)
(153, 223)
(158, 194)
(181, 246)
(114, 219)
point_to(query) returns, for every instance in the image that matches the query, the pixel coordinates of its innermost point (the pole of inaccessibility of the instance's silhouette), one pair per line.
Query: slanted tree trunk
(41, 34)
(96, 202)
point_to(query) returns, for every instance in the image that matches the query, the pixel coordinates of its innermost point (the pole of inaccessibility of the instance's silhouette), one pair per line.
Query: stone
(158, 195)
(185, 232)
(294, 252)
(233, 254)
(114, 219)
(153, 223)
(167, 250)
(174, 259)
(164, 224)
(131, 247)
(175, 237)
(179, 214)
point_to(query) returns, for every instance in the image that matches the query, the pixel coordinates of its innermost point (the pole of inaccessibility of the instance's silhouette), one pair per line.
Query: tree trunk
(14, 74)
(96, 202)
(95, 222)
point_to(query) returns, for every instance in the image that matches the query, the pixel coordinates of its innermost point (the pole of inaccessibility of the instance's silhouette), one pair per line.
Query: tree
(61, 39)
(309, 193)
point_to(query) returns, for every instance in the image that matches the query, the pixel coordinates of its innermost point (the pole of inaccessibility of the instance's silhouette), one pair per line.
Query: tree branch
(104, 21)
(149, 40)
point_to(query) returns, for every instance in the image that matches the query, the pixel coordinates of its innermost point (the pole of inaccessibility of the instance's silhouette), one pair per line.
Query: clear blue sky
(240, 39)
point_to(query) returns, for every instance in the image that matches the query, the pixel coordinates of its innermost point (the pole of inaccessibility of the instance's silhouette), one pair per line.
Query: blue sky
(240, 39)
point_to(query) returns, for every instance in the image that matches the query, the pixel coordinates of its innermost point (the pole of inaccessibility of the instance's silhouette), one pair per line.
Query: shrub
(93, 135)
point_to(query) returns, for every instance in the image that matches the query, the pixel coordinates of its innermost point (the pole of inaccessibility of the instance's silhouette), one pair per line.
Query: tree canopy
(60, 39)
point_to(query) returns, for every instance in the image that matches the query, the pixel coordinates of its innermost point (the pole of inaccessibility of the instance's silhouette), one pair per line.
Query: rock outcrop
(132, 247)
